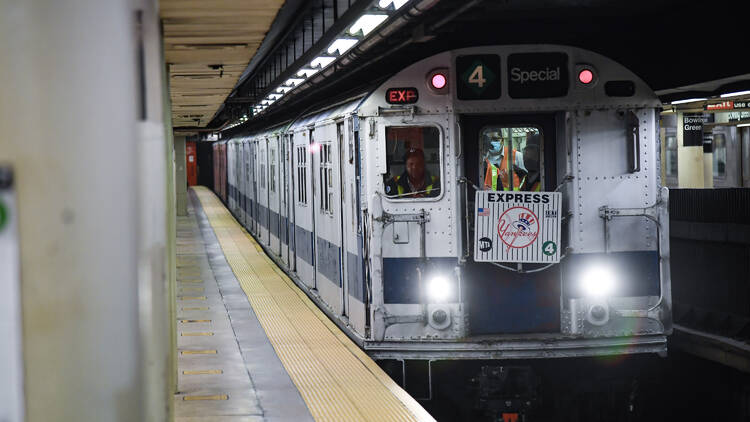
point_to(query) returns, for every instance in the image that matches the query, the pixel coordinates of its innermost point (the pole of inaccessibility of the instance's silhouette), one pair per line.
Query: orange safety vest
(493, 171)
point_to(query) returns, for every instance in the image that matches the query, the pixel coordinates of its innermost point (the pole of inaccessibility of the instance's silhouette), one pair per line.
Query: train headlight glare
(598, 281)
(438, 289)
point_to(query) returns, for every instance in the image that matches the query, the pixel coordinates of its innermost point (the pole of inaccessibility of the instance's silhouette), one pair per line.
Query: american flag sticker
(483, 212)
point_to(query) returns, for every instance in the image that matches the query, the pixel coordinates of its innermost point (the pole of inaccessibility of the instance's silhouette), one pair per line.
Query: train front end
(514, 208)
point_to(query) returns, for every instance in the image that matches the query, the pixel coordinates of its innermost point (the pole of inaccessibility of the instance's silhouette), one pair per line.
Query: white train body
(318, 194)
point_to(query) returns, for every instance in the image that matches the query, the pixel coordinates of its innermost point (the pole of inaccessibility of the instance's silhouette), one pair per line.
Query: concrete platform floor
(228, 370)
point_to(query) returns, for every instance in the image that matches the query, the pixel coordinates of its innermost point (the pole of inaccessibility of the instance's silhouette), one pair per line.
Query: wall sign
(538, 75)
(692, 129)
(517, 226)
(478, 77)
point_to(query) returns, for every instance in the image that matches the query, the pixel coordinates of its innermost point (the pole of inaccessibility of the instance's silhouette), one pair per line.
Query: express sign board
(517, 227)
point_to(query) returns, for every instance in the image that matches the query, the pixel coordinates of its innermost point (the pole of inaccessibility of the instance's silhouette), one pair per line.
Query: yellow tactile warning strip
(337, 380)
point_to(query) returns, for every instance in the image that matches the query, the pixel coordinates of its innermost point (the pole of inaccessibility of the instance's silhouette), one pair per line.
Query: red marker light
(438, 81)
(585, 76)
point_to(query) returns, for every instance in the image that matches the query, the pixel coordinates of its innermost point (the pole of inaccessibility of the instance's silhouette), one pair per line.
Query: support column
(180, 174)
(68, 118)
(690, 166)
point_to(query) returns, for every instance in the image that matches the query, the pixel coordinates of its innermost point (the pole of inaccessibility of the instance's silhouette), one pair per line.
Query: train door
(327, 214)
(303, 203)
(245, 187)
(510, 154)
(274, 210)
(356, 293)
(263, 191)
(252, 158)
(284, 200)
(230, 177)
(292, 187)
(343, 212)
(237, 152)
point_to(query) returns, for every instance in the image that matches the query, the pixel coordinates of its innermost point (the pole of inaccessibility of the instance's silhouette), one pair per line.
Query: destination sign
(538, 75)
(478, 77)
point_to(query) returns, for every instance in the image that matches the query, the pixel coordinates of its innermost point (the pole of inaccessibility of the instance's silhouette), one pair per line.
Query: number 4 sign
(478, 77)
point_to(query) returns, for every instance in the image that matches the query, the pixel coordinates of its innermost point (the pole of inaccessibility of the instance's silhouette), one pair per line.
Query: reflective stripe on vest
(493, 172)
(427, 189)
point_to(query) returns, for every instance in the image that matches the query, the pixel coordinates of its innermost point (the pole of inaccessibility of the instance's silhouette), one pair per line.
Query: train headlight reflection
(439, 288)
(598, 281)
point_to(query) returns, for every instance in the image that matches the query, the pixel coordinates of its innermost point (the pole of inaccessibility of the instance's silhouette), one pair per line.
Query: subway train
(485, 203)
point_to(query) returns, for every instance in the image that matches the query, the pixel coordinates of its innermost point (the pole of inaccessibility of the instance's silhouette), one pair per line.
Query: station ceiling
(668, 43)
(207, 46)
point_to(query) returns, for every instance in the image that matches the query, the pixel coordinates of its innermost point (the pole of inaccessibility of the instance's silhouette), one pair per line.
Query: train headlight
(598, 281)
(439, 288)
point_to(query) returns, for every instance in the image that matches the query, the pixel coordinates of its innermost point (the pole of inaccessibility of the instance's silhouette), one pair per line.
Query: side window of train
(301, 165)
(414, 161)
(263, 171)
(272, 165)
(326, 178)
(511, 158)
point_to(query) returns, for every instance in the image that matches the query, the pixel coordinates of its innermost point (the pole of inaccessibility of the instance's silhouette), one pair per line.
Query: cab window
(511, 158)
(413, 159)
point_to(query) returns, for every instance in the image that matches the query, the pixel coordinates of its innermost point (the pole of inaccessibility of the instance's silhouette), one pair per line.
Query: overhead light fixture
(283, 89)
(383, 4)
(322, 61)
(744, 125)
(342, 45)
(735, 94)
(307, 72)
(293, 81)
(689, 100)
(366, 23)
(275, 96)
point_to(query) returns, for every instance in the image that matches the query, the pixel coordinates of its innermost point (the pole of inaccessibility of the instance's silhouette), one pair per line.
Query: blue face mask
(495, 147)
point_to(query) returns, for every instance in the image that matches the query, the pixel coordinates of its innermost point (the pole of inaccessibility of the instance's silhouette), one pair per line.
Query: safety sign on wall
(517, 227)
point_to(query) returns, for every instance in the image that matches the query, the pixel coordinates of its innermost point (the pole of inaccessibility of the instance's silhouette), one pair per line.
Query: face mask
(495, 147)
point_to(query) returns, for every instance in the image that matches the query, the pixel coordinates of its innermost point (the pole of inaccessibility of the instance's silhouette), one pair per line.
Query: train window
(511, 150)
(671, 155)
(720, 155)
(326, 178)
(272, 165)
(301, 165)
(262, 171)
(413, 158)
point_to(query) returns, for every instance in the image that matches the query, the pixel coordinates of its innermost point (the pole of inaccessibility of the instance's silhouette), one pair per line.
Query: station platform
(253, 347)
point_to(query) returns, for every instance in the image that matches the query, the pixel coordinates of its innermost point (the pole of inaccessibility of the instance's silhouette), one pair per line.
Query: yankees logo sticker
(518, 227)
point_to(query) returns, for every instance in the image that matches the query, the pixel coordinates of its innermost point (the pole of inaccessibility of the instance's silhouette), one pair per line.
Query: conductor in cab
(416, 181)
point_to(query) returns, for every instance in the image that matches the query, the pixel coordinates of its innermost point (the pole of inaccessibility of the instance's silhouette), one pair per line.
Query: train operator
(416, 181)
(496, 176)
